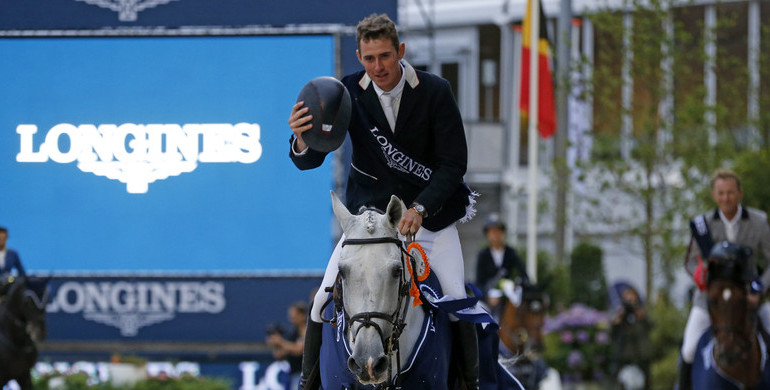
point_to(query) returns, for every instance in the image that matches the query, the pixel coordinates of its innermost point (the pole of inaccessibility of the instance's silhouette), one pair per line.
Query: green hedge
(81, 381)
(588, 284)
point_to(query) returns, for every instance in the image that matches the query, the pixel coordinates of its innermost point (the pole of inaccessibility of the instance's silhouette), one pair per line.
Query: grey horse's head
(372, 275)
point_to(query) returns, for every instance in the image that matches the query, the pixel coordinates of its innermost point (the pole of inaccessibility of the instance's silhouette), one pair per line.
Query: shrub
(81, 381)
(577, 344)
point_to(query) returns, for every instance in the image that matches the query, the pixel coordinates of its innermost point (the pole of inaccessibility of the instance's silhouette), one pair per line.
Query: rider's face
(727, 195)
(3, 238)
(380, 59)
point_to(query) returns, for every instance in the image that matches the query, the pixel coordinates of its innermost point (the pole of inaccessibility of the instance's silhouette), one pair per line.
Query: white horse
(389, 342)
(382, 331)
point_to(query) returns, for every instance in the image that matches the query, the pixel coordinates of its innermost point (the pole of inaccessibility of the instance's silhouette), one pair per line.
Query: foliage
(666, 340)
(81, 381)
(752, 167)
(588, 284)
(669, 326)
(655, 137)
(577, 344)
(665, 371)
(74, 381)
(554, 279)
(183, 383)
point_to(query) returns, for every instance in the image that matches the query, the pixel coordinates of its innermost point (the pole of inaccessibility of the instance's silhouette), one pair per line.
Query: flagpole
(534, 54)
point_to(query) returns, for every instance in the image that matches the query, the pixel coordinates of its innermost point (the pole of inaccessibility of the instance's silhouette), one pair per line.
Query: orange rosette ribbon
(421, 258)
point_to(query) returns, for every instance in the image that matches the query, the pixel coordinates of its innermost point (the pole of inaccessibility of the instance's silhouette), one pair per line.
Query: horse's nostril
(381, 365)
(353, 366)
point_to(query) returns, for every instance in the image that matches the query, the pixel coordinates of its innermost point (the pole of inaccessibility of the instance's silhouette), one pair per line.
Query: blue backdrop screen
(160, 153)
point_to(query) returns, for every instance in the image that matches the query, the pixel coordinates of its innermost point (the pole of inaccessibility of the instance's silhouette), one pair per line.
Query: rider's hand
(410, 222)
(300, 124)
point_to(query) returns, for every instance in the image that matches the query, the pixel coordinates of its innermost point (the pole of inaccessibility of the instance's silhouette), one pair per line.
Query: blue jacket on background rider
(9, 258)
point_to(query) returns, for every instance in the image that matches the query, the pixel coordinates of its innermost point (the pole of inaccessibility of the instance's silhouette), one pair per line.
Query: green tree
(656, 140)
(654, 146)
(588, 284)
(753, 168)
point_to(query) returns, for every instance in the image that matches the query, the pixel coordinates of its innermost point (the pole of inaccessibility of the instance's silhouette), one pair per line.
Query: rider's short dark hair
(3, 230)
(377, 27)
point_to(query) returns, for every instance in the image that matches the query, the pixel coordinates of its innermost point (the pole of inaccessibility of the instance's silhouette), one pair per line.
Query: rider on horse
(9, 259)
(408, 140)
(731, 222)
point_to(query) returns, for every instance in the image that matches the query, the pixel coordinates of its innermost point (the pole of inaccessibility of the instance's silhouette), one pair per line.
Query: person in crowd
(289, 346)
(497, 261)
(630, 335)
(9, 258)
(407, 140)
(729, 221)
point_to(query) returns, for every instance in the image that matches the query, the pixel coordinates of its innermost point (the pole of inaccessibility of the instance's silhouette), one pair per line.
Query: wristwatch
(420, 209)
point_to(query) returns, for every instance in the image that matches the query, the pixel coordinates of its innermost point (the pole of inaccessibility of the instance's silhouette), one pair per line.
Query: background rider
(738, 224)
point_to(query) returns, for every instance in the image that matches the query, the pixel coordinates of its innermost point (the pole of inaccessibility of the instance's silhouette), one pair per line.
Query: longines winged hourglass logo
(127, 10)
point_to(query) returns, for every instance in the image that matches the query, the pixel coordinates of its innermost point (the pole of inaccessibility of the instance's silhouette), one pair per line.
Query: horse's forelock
(370, 222)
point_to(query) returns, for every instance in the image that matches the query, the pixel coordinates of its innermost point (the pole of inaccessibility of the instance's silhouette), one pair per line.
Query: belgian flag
(546, 109)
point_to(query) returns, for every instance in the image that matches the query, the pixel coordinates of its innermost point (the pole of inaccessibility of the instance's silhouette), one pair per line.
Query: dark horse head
(733, 321)
(521, 322)
(22, 325)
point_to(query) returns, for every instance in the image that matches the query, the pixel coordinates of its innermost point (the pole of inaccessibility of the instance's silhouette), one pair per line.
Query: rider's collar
(741, 210)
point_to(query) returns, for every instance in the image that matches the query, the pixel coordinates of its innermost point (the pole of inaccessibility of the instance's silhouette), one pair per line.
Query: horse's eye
(396, 271)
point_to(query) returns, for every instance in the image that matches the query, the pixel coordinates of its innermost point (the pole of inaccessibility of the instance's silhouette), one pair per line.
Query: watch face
(420, 208)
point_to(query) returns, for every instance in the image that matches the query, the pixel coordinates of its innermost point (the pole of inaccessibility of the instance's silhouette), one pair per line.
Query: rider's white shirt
(731, 225)
(497, 256)
(2, 257)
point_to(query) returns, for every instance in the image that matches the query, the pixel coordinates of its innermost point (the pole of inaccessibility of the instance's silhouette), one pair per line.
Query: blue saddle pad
(707, 375)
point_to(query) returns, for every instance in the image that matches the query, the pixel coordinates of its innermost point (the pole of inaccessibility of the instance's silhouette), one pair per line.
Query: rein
(366, 319)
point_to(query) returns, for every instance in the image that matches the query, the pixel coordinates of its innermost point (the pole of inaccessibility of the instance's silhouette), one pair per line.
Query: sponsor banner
(194, 309)
(160, 153)
(97, 14)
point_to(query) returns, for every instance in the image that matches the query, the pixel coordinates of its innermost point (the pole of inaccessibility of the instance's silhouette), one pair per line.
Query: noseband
(366, 319)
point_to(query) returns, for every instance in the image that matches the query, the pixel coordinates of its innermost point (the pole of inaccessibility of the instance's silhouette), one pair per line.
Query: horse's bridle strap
(375, 240)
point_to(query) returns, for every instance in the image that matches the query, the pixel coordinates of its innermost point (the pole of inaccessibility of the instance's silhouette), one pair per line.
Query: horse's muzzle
(369, 369)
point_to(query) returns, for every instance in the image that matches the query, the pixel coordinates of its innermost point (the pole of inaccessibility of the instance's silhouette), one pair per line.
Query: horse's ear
(343, 215)
(395, 209)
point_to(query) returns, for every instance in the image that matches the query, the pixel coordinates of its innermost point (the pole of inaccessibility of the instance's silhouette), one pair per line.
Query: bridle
(366, 319)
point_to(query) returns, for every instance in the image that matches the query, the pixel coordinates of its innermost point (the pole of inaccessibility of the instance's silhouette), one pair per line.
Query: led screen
(166, 153)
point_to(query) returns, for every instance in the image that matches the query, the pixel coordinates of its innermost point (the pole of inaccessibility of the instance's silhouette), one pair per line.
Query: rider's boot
(685, 375)
(310, 354)
(466, 352)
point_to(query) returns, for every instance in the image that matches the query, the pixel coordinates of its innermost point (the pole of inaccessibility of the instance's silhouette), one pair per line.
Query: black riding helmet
(493, 220)
(730, 261)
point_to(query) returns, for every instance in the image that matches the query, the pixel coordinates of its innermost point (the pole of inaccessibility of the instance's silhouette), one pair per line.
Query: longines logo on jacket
(138, 154)
(400, 161)
(130, 306)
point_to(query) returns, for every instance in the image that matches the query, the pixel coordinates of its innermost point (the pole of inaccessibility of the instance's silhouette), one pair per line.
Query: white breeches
(698, 322)
(444, 254)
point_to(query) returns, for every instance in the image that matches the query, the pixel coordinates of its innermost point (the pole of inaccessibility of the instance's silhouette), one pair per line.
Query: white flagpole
(534, 39)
